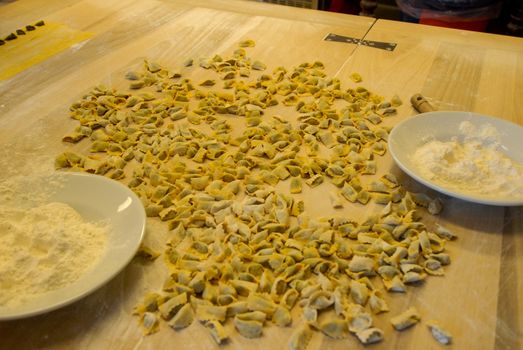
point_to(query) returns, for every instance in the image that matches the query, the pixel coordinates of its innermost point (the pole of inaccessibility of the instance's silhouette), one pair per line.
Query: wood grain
(479, 299)
(458, 70)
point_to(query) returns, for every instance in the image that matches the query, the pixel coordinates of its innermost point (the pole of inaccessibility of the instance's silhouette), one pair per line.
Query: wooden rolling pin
(421, 104)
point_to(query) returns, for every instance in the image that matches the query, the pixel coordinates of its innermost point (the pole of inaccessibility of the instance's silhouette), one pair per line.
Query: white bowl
(410, 134)
(95, 198)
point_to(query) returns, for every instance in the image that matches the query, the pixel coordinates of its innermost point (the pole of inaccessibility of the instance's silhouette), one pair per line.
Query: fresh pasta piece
(261, 302)
(295, 185)
(150, 323)
(237, 307)
(359, 321)
(252, 316)
(282, 317)
(218, 332)
(439, 333)
(320, 300)
(359, 292)
(361, 264)
(406, 319)
(315, 181)
(395, 285)
(301, 338)
(413, 277)
(335, 200)
(370, 335)
(445, 233)
(435, 206)
(377, 304)
(169, 308)
(183, 318)
(206, 313)
(248, 328)
(247, 43)
(334, 328)
(310, 315)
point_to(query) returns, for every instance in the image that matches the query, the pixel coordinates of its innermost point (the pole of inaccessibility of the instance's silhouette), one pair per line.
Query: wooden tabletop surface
(479, 298)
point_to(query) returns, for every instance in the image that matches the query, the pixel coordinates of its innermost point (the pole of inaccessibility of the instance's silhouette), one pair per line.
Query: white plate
(95, 198)
(410, 134)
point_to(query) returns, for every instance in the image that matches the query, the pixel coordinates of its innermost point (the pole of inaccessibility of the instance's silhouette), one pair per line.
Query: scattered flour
(471, 162)
(44, 245)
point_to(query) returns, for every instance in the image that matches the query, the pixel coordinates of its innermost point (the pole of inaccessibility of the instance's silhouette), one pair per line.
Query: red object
(474, 24)
(344, 6)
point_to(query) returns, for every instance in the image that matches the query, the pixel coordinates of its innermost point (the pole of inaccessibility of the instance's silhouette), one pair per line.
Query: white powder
(44, 245)
(472, 162)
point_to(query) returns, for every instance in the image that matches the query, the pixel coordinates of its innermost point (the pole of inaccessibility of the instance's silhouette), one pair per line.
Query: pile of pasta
(243, 248)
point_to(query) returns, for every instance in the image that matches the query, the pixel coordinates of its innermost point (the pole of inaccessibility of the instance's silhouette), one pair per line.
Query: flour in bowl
(472, 162)
(43, 247)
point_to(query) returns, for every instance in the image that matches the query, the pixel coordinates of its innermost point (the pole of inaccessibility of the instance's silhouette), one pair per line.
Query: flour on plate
(472, 162)
(44, 245)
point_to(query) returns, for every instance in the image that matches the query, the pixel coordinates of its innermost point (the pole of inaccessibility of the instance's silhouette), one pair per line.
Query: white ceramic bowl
(94, 198)
(410, 134)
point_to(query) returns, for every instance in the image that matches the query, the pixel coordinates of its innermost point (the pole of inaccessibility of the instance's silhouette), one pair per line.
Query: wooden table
(479, 299)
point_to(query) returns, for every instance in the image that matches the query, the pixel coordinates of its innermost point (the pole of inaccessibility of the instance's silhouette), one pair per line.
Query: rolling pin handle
(421, 104)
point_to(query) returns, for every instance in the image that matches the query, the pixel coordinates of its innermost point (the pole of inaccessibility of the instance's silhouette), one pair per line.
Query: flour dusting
(44, 245)
(473, 162)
